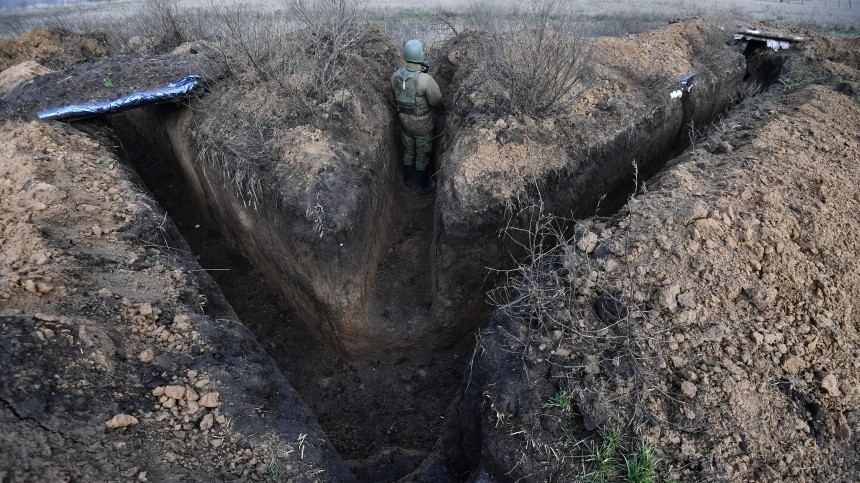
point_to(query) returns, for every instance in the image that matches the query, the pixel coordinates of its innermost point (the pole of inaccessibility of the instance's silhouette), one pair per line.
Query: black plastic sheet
(186, 86)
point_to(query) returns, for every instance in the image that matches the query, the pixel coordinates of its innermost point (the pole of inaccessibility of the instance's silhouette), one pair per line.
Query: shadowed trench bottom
(382, 414)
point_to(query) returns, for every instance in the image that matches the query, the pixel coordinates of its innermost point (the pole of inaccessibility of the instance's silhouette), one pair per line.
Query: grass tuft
(562, 401)
(273, 469)
(602, 458)
(642, 466)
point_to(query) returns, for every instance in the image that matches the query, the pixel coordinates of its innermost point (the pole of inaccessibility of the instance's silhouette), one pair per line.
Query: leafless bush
(260, 42)
(161, 19)
(482, 14)
(529, 292)
(434, 27)
(536, 56)
(332, 29)
(304, 48)
(12, 25)
(288, 63)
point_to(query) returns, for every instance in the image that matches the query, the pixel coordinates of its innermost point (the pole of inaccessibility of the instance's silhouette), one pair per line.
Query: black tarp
(186, 86)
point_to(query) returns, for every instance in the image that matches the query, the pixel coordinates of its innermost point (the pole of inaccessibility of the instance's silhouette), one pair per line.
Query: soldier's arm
(432, 92)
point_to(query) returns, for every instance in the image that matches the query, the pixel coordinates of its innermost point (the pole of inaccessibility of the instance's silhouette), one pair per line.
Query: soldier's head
(413, 51)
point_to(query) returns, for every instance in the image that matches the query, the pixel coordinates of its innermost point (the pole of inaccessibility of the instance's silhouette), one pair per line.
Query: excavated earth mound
(733, 345)
(96, 278)
(304, 190)
(19, 74)
(119, 357)
(494, 164)
(53, 48)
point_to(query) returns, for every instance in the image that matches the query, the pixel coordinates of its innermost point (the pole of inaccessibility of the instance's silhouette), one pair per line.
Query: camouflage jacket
(416, 92)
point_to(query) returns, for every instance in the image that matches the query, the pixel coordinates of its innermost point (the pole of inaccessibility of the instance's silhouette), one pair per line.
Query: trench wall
(329, 280)
(325, 279)
(466, 244)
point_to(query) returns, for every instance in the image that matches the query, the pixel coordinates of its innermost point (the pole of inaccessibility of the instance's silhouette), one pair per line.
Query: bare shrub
(161, 19)
(304, 48)
(528, 292)
(445, 23)
(536, 56)
(560, 290)
(288, 63)
(332, 28)
(260, 42)
(433, 28)
(482, 14)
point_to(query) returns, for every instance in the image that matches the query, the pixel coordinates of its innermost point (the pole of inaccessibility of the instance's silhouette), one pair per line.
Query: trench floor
(403, 294)
(384, 414)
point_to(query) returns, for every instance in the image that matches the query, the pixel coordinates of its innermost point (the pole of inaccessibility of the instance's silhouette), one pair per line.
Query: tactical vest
(406, 93)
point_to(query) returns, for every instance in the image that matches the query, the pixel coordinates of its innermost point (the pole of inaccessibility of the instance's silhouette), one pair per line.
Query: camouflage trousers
(416, 150)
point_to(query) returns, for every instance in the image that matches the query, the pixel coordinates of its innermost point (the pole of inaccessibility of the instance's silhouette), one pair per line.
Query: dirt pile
(120, 359)
(19, 74)
(494, 163)
(729, 340)
(54, 48)
(303, 189)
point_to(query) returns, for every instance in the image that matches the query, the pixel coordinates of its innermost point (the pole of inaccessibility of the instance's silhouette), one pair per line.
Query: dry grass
(536, 55)
(556, 293)
(331, 28)
(288, 64)
(414, 19)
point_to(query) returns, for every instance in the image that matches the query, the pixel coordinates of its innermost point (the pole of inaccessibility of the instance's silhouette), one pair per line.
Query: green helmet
(413, 51)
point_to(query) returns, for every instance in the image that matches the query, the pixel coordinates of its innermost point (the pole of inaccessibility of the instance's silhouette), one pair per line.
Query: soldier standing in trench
(415, 92)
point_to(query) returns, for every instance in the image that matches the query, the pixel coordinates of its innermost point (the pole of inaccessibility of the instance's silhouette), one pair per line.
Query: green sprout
(642, 466)
(603, 455)
(273, 469)
(562, 401)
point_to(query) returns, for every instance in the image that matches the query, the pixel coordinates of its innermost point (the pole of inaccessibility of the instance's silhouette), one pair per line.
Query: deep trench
(384, 414)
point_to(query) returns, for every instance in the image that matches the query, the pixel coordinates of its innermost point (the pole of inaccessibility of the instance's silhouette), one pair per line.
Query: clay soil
(383, 414)
(120, 358)
(713, 317)
(122, 354)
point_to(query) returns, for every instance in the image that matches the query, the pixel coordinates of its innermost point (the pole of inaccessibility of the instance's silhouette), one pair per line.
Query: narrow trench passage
(383, 415)
(403, 291)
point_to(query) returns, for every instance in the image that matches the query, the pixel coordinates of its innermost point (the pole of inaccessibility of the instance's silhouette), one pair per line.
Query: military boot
(408, 173)
(425, 185)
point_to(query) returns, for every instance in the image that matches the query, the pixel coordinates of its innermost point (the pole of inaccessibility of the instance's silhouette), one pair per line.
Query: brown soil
(737, 265)
(18, 74)
(493, 163)
(53, 48)
(739, 358)
(99, 287)
(633, 75)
